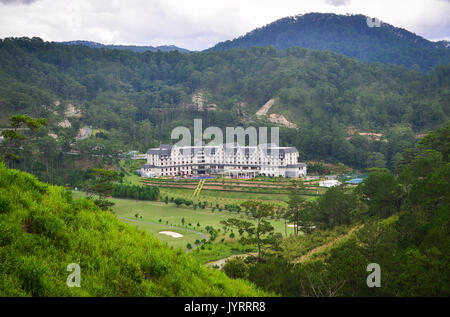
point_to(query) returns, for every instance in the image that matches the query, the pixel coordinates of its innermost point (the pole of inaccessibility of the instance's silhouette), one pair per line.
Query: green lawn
(170, 215)
(128, 208)
(132, 179)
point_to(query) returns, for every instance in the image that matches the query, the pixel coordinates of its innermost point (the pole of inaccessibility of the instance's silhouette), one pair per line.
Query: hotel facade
(226, 160)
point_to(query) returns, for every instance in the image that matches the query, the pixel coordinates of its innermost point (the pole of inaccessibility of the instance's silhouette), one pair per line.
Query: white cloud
(17, 1)
(338, 2)
(196, 24)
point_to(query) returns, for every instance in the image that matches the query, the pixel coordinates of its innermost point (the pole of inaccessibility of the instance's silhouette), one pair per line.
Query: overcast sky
(197, 24)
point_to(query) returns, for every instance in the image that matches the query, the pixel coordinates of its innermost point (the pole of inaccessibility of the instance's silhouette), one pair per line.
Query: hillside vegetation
(132, 101)
(43, 230)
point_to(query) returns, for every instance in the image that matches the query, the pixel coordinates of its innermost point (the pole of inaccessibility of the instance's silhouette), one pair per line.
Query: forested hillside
(399, 222)
(349, 35)
(43, 230)
(130, 101)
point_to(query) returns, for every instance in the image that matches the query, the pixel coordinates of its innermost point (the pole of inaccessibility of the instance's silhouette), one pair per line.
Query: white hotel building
(226, 159)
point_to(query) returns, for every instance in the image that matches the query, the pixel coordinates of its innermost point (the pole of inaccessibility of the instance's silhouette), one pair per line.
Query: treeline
(135, 192)
(402, 225)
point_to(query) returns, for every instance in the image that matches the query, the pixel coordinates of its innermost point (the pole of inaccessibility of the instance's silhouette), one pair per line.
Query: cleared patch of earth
(65, 124)
(280, 119)
(264, 109)
(72, 111)
(274, 117)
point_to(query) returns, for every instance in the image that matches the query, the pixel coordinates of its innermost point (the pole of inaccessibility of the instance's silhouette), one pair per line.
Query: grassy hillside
(42, 230)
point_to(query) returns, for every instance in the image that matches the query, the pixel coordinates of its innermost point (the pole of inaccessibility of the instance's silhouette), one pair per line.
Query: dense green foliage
(43, 230)
(405, 230)
(336, 207)
(349, 35)
(136, 192)
(317, 168)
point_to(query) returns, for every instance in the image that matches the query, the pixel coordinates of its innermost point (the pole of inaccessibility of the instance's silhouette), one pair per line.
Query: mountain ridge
(349, 35)
(133, 48)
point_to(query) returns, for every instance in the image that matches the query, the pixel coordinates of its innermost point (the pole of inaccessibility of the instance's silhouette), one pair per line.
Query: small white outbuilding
(329, 183)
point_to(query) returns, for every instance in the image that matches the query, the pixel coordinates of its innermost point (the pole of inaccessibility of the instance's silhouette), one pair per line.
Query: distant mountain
(133, 48)
(349, 35)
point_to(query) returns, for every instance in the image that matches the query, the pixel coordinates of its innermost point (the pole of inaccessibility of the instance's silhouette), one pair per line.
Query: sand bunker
(172, 234)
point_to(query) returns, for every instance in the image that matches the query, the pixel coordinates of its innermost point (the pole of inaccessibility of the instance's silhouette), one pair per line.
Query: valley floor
(155, 217)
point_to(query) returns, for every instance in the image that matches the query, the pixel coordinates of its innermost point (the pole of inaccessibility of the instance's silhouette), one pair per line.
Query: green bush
(236, 268)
